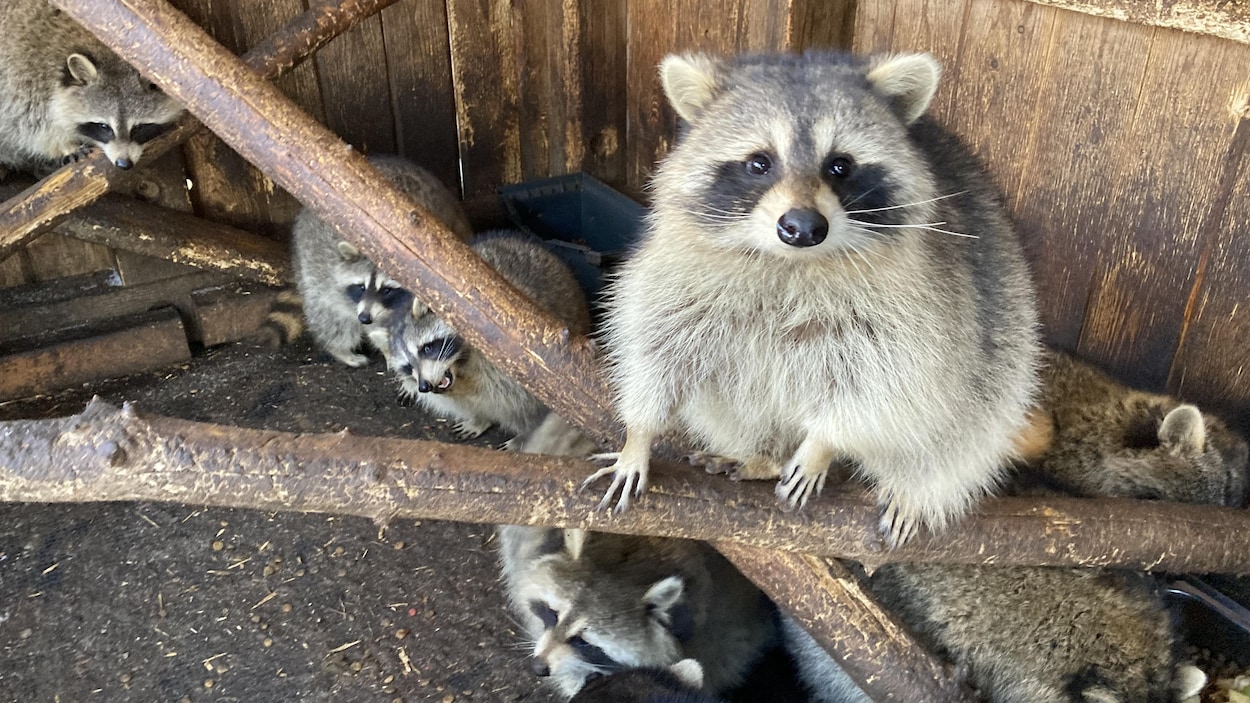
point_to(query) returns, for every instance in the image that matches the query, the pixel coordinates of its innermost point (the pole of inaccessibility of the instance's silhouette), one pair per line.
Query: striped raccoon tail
(284, 323)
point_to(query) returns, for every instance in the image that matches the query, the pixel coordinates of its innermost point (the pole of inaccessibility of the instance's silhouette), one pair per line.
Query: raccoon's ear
(81, 69)
(664, 603)
(419, 308)
(574, 541)
(908, 81)
(690, 81)
(689, 672)
(348, 253)
(1183, 431)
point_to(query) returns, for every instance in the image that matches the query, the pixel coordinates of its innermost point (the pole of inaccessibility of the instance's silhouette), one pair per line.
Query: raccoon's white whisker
(896, 207)
(953, 234)
(932, 226)
(859, 197)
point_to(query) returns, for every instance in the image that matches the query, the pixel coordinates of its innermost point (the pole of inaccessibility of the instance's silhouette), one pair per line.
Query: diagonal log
(108, 454)
(49, 201)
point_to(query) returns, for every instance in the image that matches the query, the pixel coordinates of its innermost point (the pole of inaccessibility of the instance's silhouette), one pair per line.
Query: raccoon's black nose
(424, 386)
(802, 228)
(540, 667)
(365, 318)
(123, 163)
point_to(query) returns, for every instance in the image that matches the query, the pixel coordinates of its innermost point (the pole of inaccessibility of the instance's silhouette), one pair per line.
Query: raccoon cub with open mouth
(826, 275)
(344, 295)
(452, 379)
(62, 92)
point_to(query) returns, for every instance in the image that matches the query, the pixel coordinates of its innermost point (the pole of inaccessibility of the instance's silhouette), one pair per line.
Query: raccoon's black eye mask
(441, 349)
(548, 616)
(356, 291)
(96, 132)
(390, 296)
(146, 132)
(592, 654)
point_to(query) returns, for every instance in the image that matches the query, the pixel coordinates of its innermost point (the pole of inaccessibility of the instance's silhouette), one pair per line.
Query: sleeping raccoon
(598, 603)
(1110, 440)
(679, 683)
(1043, 635)
(62, 92)
(450, 378)
(826, 275)
(344, 295)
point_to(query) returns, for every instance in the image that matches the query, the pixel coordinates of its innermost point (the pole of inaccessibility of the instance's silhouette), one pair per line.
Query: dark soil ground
(166, 602)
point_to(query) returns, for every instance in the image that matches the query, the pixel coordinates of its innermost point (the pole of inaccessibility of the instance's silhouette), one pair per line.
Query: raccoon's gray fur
(679, 683)
(62, 91)
(1110, 440)
(594, 603)
(1040, 635)
(826, 275)
(344, 295)
(822, 675)
(450, 378)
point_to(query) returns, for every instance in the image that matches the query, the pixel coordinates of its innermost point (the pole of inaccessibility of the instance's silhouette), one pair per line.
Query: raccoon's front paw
(350, 358)
(800, 481)
(405, 399)
(469, 429)
(626, 478)
(898, 525)
(74, 157)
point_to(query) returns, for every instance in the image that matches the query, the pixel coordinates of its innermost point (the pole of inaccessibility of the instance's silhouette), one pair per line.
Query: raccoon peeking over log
(826, 274)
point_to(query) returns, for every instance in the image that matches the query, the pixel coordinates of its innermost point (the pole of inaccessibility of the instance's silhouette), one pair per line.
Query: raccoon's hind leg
(804, 476)
(628, 472)
(913, 491)
(340, 341)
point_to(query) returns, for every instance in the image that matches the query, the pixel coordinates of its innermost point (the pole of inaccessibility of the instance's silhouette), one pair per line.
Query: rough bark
(49, 201)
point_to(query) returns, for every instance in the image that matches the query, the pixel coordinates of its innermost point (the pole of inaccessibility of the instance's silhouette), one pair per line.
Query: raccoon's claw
(405, 400)
(896, 528)
(626, 481)
(603, 458)
(469, 429)
(798, 483)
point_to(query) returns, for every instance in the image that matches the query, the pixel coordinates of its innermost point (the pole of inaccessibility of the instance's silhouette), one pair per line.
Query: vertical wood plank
(823, 24)
(418, 62)
(485, 77)
(355, 90)
(54, 256)
(604, 49)
(14, 270)
(547, 39)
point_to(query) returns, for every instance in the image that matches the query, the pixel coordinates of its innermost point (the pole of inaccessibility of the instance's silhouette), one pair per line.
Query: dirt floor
(165, 602)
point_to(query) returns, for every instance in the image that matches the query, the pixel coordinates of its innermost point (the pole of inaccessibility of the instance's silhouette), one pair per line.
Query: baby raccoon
(1043, 635)
(63, 92)
(826, 275)
(344, 295)
(1110, 440)
(679, 683)
(450, 378)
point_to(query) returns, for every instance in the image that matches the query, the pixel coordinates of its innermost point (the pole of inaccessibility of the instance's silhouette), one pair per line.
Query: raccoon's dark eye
(154, 87)
(444, 348)
(389, 296)
(759, 164)
(548, 616)
(591, 653)
(146, 132)
(839, 167)
(96, 132)
(406, 369)
(356, 291)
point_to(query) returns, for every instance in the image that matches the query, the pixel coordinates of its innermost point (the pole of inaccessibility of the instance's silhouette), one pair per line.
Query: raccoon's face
(1183, 456)
(110, 106)
(588, 629)
(798, 156)
(428, 355)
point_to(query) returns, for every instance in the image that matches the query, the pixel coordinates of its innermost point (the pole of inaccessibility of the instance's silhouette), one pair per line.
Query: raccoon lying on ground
(1113, 441)
(345, 296)
(598, 603)
(63, 92)
(825, 275)
(452, 379)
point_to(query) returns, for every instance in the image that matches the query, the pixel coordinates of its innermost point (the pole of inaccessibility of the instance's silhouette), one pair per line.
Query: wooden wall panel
(418, 60)
(604, 50)
(547, 36)
(55, 256)
(355, 90)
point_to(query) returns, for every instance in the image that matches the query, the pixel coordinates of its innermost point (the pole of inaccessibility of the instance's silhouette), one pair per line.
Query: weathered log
(46, 203)
(110, 454)
(852, 624)
(344, 190)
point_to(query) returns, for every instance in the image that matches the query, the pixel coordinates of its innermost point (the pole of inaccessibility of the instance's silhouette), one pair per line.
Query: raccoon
(1043, 635)
(1110, 440)
(63, 92)
(825, 275)
(679, 683)
(448, 377)
(344, 295)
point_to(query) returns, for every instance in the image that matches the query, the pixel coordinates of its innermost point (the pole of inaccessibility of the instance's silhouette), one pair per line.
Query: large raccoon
(826, 275)
(452, 379)
(62, 91)
(1110, 440)
(1043, 635)
(597, 603)
(344, 295)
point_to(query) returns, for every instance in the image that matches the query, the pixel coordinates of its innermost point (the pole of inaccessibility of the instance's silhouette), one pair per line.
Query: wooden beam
(167, 459)
(46, 203)
(1219, 18)
(340, 186)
